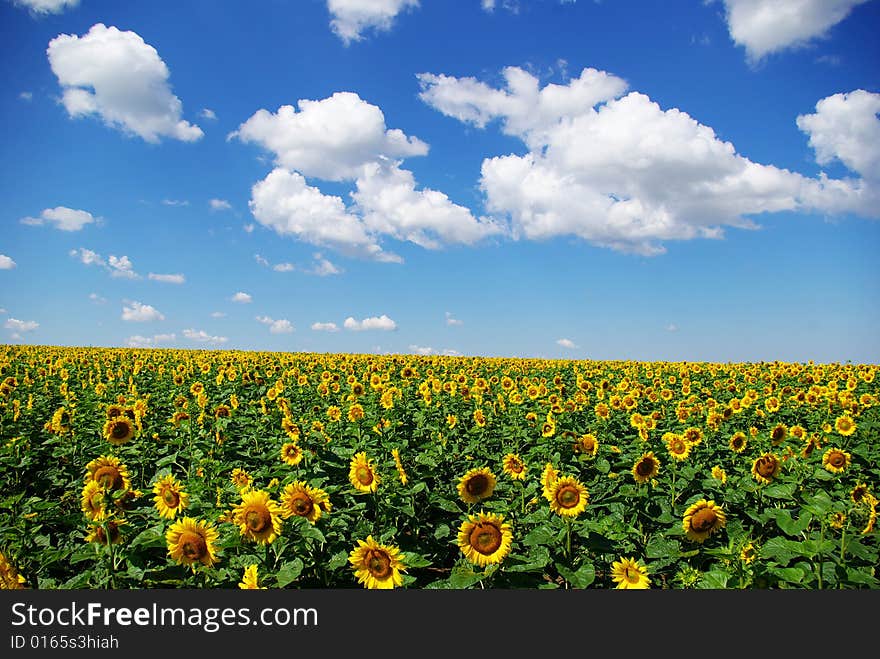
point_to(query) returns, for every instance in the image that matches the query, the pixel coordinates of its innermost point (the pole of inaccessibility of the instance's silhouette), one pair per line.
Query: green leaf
(819, 504)
(537, 559)
(662, 548)
(539, 536)
(413, 559)
(338, 560)
(463, 577)
(855, 576)
(288, 572)
(713, 579)
(580, 578)
(791, 575)
(780, 491)
(780, 550)
(441, 531)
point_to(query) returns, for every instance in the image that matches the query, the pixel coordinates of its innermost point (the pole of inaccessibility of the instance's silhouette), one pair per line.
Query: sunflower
(108, 472)
(630, 574)
(693, 435)
(646, 468)
(476, 485)
(587, 444)
(678, 448)
(836, 460)
(845, 425)
(291, 453)
(258, 517)
(719, 474)
(92, 502)
(514, 466)
(240, 478)
(300, 500)
(765, 468)
(222, 412)
(738, 442)
(10, 579)
(191, 541)
(362, 473)
(401, 472)
(778, 434)
(113, 410)
(376, 565)
(702, 519)
(249, 579)
(858, 493)
(548, 478)
(118, 430)
(570, 497)
(170, 498)
(748, 553)
(98, 535)
(485, 538)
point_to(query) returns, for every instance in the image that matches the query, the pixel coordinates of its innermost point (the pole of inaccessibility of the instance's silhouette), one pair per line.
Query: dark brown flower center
(678, 446)
(108, 477)
(485, 538)
(364, 475)
(257, 518)
(120, 430)
(170, 497)
(192, 546)
(766, 466)
(645, 467)
(568, 496)
(477, 485)
(837, 459)
(703, 520)
(378, 563)
(631, 574)
(302, 505)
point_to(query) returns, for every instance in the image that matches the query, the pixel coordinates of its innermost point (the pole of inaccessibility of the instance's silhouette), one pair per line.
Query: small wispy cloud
(201, 336)
(168, 279)
(175, 202)
(219, 205)
(242, 298)
(451, 321)
(566, 343)
(325, 327)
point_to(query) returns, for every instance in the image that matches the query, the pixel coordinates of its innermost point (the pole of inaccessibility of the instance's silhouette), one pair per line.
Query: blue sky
(678, 181)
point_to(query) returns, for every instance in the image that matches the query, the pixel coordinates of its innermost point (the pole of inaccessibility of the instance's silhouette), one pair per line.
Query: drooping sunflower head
(630, 574)
(291, 453)
(170, 498)
(258, 517)
(113, 410)
(702, 519)
(377, 566)
(240, 478)
(118, 430)
(92, 502)
(513, 466)
(108, 472)
(485, 538)
(548, 478)
(98, 535)
(300, 500)
(362, 473)
(192, 542)
(398, 464)
(836, 460)
(857, 495)
(646, 468)
(765, 468)
(570, 497)
(477, 485)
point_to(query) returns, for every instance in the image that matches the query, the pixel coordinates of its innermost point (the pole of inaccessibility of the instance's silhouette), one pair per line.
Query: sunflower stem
(568, 537)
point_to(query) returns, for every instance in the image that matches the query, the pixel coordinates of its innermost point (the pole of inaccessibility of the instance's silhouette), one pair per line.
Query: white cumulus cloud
(768, 26)
(136, 312)
(66, 219)
(115, 75)
(351, 18)
(382, 322)
(566, 343)
(619, 171)
(242, 298)
(279, 326)
(121, 266)
(6, 262)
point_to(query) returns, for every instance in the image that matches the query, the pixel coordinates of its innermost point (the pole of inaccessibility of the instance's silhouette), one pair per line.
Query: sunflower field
(132, 469)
